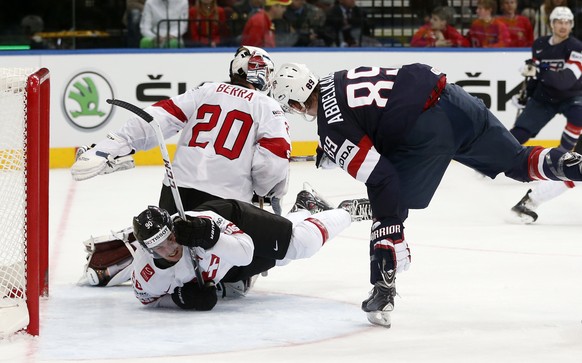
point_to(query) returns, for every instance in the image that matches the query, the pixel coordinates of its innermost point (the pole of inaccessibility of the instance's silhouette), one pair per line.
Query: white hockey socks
(313, 232)
(545, 191)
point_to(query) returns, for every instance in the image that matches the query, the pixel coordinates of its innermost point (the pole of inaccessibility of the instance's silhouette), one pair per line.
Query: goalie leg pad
(107, 257)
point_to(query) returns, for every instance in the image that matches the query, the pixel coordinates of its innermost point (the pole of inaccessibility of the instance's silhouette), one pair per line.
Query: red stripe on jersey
(277, 146)
(321, 227)
(576, 63)
(576, 130)
(533, 162)
(364, 147)
(172, 109)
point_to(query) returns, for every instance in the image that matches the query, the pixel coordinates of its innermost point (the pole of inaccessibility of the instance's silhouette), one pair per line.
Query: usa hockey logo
(84, 100)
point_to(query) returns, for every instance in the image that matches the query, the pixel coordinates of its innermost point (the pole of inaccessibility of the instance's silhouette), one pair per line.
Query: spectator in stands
(438, 32)
(487, 31)
(207, 23)
(345, 24)
(529, 8)
(259, 30)
(542, 22)
(31, 25)
(324, 5)
(307, 22)
(242, 11)
(170, 17)
(519, 27)
(131, 20)
(423, 9)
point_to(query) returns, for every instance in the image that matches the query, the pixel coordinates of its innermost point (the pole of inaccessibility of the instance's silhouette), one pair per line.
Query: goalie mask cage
(24, 180)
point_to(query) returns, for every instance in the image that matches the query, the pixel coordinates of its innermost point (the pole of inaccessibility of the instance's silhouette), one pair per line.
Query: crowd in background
(320, 23)
(497, 24)
(261, 23)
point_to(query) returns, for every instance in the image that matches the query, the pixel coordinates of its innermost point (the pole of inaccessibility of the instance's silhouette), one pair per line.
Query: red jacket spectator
(428, 37)
(486, 31)
(492, 34)
(520, 31)
(519, 26)
(437, 32)
(207, 23)
(259, 30)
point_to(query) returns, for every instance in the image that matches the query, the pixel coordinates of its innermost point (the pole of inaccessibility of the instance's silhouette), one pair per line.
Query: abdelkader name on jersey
(330, 106)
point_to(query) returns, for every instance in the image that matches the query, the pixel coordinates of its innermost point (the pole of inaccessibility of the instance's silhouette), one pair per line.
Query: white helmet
(261, 67)
(561, 13)
(293, 82)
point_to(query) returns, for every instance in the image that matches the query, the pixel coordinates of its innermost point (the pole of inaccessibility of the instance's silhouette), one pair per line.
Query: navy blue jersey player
(554, 86)
(554, 82)
(396, 130)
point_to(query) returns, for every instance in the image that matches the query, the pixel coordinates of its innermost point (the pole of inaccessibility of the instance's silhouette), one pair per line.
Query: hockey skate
(381, 301)
(524, 209)
(310, 200)
(359, 209)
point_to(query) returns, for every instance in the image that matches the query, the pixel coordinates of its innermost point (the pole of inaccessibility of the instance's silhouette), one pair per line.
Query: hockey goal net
(24, 165)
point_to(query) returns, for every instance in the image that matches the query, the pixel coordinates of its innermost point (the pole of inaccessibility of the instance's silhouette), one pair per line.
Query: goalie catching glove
(196, 232)
(388, 248)
(107, 156)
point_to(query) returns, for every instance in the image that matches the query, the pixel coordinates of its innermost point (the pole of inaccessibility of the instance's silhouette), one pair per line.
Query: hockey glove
(196, 232)
(528, 69)
(193, 297)
(322, 160)
(388, 248)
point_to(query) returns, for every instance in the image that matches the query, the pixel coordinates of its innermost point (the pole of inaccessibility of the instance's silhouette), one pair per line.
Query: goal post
(24, 181)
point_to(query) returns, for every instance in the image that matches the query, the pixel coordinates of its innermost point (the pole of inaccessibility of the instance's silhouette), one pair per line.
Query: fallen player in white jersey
(234, 242)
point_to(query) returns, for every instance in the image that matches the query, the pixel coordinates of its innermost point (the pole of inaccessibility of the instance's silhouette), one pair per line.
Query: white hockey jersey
(234, 140)
(156, 10)
(151, 283)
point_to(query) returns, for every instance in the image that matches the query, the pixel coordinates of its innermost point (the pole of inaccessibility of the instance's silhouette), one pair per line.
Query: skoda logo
(84, 100)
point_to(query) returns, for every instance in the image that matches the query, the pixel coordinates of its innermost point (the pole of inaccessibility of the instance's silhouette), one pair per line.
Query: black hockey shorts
(271, 233)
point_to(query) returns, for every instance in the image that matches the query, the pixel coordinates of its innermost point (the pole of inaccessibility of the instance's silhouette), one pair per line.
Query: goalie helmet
(293, 82)
(561, 13)
(152, 227)
(255, 65)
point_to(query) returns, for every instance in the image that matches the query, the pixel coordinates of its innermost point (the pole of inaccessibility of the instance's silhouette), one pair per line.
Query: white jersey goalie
(233, 141)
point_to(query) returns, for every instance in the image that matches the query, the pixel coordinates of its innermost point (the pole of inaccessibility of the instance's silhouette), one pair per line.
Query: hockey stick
(169, 171)
(522, 94)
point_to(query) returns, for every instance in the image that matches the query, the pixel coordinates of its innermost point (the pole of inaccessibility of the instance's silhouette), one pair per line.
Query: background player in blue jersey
(397, 130)
(554, 86)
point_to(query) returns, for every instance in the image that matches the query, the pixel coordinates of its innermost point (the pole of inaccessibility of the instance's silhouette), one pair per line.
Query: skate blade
(381, 318)
(516, 217)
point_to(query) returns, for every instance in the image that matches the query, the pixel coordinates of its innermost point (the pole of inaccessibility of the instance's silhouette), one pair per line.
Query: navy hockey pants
(459, 127)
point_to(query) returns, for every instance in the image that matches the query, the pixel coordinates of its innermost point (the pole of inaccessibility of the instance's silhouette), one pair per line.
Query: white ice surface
(480, 289)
